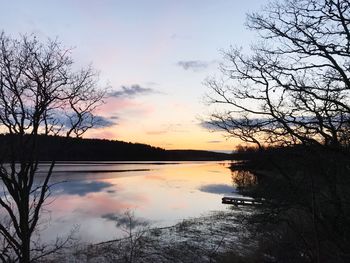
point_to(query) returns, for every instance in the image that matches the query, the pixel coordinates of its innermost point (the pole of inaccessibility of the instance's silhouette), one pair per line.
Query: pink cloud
(124, 106)
(116, 104)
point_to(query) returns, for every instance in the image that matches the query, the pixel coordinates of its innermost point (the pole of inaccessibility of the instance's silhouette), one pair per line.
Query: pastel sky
(154, 54)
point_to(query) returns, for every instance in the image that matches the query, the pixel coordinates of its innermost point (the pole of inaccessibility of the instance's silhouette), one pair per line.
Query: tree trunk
(25, 232)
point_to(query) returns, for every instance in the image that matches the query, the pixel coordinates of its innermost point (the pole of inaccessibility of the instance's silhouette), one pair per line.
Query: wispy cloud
(103, 122)
(132, 91)
(209, 125)
(114, 117)
(213, 141)
(194, 65)
(175, 127)
(67, 119)
(158, 132)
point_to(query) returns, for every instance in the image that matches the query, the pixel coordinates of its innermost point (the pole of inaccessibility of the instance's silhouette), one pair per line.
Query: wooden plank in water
(240, 201)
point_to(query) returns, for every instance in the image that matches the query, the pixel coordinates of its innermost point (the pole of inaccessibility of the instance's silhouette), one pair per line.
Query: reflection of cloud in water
(155, 177)
(126, 220)
(79, 187)
(217, 189)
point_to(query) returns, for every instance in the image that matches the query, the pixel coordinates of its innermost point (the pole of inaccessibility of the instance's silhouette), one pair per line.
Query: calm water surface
(93, 196)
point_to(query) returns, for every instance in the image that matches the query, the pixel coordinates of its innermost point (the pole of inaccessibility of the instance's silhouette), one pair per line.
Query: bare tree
(40, 94)
(294, 85)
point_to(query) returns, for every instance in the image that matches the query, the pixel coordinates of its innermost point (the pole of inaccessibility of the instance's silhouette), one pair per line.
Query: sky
(154, 55)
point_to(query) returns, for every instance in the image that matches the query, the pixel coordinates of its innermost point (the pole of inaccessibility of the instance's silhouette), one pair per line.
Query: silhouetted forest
(305, 214)
(78, 149)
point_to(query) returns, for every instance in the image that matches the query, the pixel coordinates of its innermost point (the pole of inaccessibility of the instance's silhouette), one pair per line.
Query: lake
(94, 195)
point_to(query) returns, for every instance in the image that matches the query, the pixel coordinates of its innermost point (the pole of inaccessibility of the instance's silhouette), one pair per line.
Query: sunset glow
(152, 55)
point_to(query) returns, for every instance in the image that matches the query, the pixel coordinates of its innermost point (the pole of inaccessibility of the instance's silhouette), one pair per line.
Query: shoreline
(204, 239)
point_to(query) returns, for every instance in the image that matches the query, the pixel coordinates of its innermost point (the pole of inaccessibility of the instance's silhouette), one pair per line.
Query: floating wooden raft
(240, 201)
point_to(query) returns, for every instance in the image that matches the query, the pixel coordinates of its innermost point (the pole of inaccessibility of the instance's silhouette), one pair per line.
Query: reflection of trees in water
(243, 179)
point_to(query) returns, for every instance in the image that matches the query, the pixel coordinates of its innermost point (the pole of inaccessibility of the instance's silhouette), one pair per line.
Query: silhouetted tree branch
(293, 88)
(294, 85)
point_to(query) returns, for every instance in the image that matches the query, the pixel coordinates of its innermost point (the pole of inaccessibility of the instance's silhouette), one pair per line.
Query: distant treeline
(78, 149)
(261, 158)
